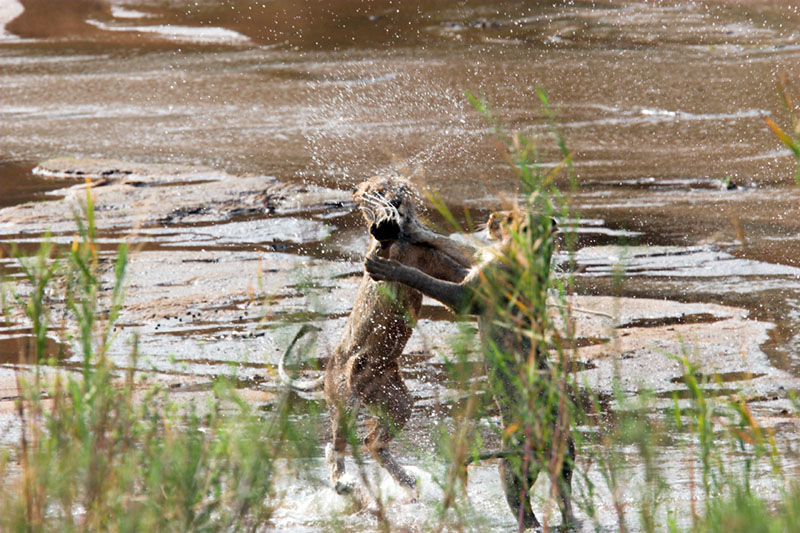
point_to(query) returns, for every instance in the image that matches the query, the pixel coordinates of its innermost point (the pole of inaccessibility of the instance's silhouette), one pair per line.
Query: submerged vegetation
(102, 449)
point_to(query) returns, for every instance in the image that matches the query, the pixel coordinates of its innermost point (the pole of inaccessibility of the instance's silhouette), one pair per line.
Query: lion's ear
(358, 190)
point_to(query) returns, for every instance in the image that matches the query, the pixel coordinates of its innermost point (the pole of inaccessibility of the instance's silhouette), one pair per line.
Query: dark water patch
(686, 394)
(239, 327)
(695, 318)
(223, 328)
(234, 322)
(438, 313)
(583, 342)
(231, 248)
(722, 377)
(192, 387)
(199, 215)
(140, 184)
(57, 19)
(18, 184)
(783, 345)
(21, 348)
(255, 382)
(676, 185)
(346, 275)
(303, 317)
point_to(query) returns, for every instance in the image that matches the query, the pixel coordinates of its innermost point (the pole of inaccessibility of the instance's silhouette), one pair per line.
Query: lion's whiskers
(370, 213)
(393, 213)
(381, 205)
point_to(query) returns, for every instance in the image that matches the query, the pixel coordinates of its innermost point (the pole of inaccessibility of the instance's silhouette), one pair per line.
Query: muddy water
(660, 102)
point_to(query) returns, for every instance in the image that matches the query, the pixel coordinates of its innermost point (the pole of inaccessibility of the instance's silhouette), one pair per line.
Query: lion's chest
(381, 319)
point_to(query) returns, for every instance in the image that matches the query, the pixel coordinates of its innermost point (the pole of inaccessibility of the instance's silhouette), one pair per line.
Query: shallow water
(660, 102)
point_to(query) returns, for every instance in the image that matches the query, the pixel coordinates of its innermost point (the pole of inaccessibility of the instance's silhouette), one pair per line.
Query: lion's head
(387, 203)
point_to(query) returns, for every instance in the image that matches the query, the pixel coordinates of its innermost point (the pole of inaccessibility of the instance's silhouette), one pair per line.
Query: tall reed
(624, 473)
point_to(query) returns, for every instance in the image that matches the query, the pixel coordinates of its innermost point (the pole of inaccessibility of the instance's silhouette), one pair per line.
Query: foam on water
(181, 33)
(309, 504)
(9, 10)
(123, 13)
(673, 261)
(287, 229)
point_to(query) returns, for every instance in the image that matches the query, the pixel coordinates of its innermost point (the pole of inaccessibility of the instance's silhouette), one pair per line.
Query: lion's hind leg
(391, 404)
(517, 486)
(564, 486)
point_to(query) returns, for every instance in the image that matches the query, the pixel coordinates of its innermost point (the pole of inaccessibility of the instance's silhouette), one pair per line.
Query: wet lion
(506, 332)
(364, 368)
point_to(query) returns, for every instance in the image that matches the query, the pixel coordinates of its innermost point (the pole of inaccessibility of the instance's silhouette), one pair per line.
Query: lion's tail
(301, 385)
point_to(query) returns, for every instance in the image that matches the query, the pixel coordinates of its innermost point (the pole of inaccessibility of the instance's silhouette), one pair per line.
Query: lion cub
(364, 368)
(507, 325)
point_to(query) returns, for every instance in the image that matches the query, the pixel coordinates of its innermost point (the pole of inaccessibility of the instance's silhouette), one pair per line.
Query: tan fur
(472, 296)
(364, 368)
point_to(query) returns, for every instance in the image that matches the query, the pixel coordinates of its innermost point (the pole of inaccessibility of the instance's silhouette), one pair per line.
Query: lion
(364, 368)
(506, 332)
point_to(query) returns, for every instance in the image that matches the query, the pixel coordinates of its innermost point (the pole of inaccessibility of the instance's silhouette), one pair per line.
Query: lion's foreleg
(564, 485)
(516, 486)
(335, 450)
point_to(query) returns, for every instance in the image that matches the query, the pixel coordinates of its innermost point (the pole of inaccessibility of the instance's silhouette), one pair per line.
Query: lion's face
(386, 204)
(526, 242)
(503, 225)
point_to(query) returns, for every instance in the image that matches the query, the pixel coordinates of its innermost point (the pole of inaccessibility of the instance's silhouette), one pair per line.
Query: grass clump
(629, 450)
(100, 449)
(527, 356)
(790, 138)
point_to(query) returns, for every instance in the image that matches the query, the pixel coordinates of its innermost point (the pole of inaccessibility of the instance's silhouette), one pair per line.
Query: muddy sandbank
(223, 268)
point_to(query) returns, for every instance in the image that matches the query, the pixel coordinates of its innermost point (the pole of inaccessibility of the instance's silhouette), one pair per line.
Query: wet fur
(364, 369)
(465, 297)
